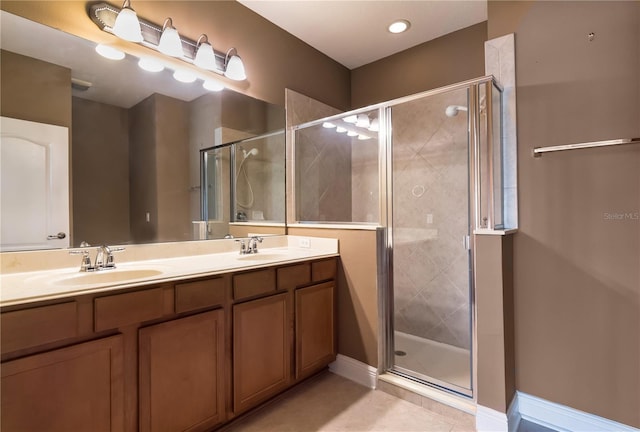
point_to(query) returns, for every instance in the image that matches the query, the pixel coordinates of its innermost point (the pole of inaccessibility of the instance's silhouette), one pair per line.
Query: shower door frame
(386, 354)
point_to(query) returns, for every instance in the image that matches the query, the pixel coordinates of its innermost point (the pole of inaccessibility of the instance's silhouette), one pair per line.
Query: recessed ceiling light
(399, 26)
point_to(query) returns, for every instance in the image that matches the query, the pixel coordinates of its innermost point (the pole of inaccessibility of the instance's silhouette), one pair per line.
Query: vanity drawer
(254, 283)
(323, 270)
(38, 326)
(129, 308)
(294, 276)
(199, 295)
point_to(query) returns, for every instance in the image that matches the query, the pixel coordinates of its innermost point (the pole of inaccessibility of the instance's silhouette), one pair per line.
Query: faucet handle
(243, 246)
(110, 262)
(85, 265)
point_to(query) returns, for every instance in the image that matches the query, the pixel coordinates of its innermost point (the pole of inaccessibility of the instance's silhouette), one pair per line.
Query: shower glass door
(431, 262)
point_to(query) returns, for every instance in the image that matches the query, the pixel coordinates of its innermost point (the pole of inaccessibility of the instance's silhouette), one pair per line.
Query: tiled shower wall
(430, 220)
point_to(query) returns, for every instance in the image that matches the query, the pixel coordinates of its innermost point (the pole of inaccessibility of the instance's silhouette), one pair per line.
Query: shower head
(252, 152)
(452, 110)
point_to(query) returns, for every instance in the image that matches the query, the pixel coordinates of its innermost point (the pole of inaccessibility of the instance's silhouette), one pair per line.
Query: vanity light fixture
(351, 119)
(127, 25)
(328, 125)
(167, 40)
(150, 65)
(212, 85)
(109, 52)
(170, 43)
(340, 129)
(234, 68)
(399, 26)
(184, 76)
(352, 133)
(205, 58)
(363, 137)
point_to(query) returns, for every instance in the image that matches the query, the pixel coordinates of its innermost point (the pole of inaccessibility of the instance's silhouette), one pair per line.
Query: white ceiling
(354, 32)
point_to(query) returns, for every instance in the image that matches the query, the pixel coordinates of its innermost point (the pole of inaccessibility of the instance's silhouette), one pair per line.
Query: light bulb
(235, 69)
(170, 43)
(127, 25)
(205, 57)
(399, 26)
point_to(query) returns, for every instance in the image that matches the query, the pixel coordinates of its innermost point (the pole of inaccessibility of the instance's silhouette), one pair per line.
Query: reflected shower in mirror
(135, 142)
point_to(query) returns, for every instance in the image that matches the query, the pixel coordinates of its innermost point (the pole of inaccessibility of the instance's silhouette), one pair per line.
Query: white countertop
(32, 286)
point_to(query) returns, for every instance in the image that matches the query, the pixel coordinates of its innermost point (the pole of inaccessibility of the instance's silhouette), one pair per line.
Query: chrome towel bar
(537, 151)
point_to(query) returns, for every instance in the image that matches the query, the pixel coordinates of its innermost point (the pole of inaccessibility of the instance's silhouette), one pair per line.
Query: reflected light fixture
(109, 52)
(212, 85)
(399, 26)
(205, 58)
(170, 43)
(184, 76)
(363, 137)
(352, 133)
(328, 125)
(351, 119)
(234, 68)
(375, 125)
(127, 25)
(150, 65)
(340, 129)
(362, 121)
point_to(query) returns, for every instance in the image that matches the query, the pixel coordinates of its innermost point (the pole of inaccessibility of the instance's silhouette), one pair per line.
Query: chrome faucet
(250, 245)
(103, 261)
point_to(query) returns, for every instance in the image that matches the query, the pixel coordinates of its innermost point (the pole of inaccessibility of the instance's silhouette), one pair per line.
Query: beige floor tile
(330, 403)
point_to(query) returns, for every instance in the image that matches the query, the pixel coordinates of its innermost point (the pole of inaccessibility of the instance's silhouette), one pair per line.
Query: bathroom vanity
(188, 352)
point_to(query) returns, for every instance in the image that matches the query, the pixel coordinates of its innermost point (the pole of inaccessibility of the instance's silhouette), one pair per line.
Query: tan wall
(494, 318)
(577, 280)
(273, 59)
(100, 167)
(38, 91)
(455, 57)
(357, 291)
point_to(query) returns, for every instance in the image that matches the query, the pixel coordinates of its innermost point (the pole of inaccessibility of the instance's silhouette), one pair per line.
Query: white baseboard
(355, 370)
(564, 419)
(490, 420)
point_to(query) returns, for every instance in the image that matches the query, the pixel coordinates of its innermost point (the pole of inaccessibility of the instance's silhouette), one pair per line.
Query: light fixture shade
(340, 129)
(170, 43)
(352, 133)
(328, 125)
(375, 125)
(235, 69)
(212, 85)
(127, 26)
(351, 119)
(205, 58)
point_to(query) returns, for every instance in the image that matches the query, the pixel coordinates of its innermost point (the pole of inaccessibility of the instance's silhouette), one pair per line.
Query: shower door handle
(466, 242)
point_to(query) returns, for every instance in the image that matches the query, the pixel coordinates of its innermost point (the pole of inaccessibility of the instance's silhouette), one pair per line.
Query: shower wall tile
(430, 219)
(500, 62)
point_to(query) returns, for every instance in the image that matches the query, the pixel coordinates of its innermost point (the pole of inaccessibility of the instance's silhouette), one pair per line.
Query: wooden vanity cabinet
(181, 374)
(77, 388)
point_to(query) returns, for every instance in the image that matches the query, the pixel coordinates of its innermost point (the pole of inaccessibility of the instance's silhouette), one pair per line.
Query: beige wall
(577, 279)
(273, 59)
(357, 291)
(100, 167)
(449, 59)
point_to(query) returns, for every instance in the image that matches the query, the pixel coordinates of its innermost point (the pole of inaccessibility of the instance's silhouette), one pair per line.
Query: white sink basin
(105, 276)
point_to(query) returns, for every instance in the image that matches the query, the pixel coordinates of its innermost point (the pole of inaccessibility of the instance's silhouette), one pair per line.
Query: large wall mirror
(138, 140)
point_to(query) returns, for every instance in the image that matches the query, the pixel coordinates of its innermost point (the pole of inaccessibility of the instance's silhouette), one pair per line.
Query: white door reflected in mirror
(34, 185)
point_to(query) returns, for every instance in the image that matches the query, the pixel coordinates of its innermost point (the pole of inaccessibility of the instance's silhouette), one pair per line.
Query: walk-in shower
(429, 174)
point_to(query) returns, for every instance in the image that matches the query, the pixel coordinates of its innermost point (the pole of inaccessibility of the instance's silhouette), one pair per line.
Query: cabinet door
(78, 388)
(181, 373)
(261, 350)
(315, 328)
